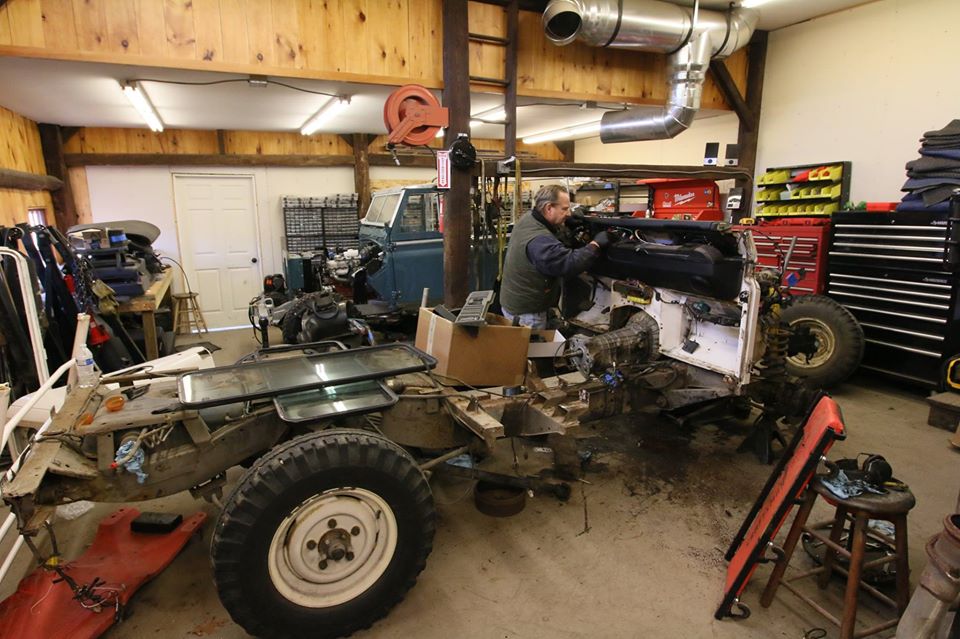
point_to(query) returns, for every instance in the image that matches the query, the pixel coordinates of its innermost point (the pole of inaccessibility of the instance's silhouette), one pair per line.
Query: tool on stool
(891, 506)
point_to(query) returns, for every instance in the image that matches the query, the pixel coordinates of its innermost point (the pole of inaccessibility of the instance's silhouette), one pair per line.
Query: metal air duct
(690, 37)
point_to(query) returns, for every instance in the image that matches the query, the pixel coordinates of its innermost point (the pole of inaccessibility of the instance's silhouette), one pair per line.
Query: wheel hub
(820, 336)
(332, 547)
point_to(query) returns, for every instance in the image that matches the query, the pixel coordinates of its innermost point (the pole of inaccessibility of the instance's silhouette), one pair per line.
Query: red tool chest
(683, 199)
(809, 259)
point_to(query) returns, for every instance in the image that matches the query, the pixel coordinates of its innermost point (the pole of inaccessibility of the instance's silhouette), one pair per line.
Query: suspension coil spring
(775, 358)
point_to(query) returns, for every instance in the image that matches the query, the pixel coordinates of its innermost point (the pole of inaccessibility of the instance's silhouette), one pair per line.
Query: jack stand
(760, 440)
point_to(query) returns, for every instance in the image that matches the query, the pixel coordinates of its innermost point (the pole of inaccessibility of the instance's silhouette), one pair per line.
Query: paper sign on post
(443, 169)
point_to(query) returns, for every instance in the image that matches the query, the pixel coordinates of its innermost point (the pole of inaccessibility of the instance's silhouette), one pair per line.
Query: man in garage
(537, 261)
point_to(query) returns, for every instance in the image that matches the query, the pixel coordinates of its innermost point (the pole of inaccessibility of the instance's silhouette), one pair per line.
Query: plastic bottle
(87, 374)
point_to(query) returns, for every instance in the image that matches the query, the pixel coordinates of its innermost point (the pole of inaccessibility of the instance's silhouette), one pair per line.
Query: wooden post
(510, 75)
(456, 97)
(51, 143)
(747, 136)
(361, 170)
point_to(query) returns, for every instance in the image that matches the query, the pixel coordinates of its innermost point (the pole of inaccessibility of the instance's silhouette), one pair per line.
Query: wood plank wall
(181, 141)
(20, 150)
(379, 41)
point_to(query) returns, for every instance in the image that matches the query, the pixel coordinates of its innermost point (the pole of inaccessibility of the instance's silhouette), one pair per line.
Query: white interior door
(219, 243)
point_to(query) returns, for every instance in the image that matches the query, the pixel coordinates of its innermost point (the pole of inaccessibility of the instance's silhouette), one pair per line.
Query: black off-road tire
(840, 349)
(278, 485)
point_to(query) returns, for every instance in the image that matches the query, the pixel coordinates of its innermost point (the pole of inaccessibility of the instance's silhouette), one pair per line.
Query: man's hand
(602, 240)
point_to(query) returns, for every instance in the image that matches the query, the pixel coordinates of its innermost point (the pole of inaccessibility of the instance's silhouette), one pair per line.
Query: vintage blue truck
(401, 250)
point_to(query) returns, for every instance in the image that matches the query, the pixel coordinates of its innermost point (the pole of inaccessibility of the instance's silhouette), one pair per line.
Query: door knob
(253, 260)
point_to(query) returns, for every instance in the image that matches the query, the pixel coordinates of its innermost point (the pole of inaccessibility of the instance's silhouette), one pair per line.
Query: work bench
(146, 305)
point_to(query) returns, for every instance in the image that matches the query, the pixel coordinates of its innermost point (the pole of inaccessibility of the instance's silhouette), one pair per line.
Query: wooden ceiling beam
(732, 94)
(190, 159)
(23, 181)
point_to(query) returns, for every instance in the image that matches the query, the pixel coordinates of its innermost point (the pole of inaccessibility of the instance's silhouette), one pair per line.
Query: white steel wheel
(333, 547)
(825, 340)
(322, 536)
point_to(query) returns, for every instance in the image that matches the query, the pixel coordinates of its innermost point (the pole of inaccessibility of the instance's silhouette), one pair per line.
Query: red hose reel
(413, 115)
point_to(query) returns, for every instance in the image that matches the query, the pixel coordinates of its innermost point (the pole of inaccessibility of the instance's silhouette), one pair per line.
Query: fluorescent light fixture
(578, 131)
(497, 114)
(335, 105)
(138, 98)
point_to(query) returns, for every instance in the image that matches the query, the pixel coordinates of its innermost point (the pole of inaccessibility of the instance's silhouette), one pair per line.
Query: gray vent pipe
(651, 25)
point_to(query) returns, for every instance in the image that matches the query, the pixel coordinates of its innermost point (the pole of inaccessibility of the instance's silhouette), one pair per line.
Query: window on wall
(37, 217)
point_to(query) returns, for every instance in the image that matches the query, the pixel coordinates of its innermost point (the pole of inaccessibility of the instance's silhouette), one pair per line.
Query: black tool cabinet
(898, 274)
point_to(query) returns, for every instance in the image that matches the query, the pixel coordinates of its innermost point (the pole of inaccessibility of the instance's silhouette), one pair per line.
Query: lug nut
(311, 545)
(332, 523)
(337, 554)
(355, 531)
(323, 564)
(349, 556)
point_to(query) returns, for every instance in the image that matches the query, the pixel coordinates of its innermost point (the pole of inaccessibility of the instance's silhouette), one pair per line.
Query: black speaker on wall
(710, 153)
(732, 156)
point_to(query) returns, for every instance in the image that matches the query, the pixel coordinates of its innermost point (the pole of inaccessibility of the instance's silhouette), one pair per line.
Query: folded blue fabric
(920, 206)
(916, 183)
(952, 154)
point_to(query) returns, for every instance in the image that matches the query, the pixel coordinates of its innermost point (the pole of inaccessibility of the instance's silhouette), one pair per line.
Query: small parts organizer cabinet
(810, 189)
(892, 271)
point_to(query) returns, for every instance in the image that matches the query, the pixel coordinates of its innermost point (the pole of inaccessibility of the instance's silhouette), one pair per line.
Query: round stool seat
(893, 502)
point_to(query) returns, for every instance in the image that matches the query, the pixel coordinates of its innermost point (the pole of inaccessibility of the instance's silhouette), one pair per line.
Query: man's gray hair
(547, 195)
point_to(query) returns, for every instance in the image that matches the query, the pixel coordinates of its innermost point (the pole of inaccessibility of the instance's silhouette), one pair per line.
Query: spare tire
(827, 343)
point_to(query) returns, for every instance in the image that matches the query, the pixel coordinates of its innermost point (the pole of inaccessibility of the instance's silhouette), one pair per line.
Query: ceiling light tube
(496, 115)
(580, 130)
(138, 98)
(335, 105)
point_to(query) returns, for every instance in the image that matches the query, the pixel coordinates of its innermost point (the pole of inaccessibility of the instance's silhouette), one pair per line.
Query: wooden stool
(187, 314)
(893, 507)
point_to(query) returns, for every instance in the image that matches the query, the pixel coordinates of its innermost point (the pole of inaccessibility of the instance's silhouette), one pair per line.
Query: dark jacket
(535, 265)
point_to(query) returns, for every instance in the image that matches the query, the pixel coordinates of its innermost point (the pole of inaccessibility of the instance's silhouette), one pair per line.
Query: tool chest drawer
(808, 259)
(890, 271)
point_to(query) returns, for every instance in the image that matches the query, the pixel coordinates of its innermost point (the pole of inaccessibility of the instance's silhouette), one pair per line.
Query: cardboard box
(492, 355)
(547, 343)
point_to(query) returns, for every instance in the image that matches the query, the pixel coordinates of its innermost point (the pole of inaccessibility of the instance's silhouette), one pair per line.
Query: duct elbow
(626, 126)
(562, 21)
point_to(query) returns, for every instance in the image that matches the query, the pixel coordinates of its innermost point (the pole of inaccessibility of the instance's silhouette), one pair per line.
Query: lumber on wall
(20, 151)
(314, 39)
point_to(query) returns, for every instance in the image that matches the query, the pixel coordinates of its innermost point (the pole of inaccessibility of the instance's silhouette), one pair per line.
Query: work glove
(602, 239)
(576, 218)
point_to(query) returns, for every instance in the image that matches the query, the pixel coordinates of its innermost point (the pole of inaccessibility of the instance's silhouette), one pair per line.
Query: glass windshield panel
(413, 214)
(382, 208)
(334, 400)
(284, 376)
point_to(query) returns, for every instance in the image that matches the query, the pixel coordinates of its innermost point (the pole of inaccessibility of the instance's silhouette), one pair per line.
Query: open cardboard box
(546, 343)
(491, 355)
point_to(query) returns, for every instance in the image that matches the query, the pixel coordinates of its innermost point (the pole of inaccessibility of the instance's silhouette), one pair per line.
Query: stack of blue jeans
(932, 178)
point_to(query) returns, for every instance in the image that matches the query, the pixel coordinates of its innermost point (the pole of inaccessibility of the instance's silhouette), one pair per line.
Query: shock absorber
(775, 357)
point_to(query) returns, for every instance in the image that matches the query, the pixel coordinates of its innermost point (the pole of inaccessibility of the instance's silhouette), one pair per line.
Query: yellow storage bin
(830, 173)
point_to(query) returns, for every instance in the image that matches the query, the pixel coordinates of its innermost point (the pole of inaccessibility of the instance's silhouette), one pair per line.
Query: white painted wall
(146, 193)
(861, 85)
(685, 149)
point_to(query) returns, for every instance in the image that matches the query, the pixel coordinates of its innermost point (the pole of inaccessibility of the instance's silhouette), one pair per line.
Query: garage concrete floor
(636, 552)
